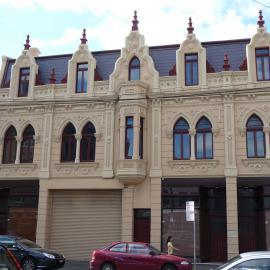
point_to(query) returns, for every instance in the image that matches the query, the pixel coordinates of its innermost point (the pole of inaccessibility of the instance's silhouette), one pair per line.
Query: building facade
(105, 146)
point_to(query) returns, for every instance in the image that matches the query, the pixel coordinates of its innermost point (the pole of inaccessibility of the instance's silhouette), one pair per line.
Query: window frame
(181, 133)
(262, 57)
(10, 147)
(204, 132)
(254, 131)
(134, 67)
(28, 156)
(127, 128)
(192, 67)
(79, 89)
(90, 142)
(141, 138)
(23, 79)
(71, 140)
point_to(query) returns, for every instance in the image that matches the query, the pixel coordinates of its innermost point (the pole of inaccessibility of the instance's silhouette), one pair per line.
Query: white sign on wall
(190, 211)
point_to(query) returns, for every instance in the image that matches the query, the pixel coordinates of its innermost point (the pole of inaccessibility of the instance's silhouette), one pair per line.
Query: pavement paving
(84, 265)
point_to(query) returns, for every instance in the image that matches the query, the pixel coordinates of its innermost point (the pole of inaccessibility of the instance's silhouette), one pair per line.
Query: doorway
(4, 195)
(141, 230)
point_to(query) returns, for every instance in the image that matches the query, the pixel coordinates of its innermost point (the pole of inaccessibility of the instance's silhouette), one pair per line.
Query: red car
(135, 256)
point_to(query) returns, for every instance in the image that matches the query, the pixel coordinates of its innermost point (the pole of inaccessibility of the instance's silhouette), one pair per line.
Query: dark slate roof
(164, 58)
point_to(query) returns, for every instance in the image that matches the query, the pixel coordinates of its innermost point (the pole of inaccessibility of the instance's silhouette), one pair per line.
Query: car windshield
(228, 262)
(6, 261)
(154, 250)
(27, 243)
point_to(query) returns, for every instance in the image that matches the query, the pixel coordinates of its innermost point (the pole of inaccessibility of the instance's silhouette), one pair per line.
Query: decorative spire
(190, 27)
(260, 21)
(84, 39)
(135, 22)
(226, 66)
(52, 76)
(27, 43)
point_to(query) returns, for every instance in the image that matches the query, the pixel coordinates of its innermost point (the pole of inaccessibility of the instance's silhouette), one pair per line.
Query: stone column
(122, 137)
(44, 203)
(1, 148)
(267, 141)
(127, 213)
(230, 172)
(156, 212)
(232, 216)
(18, 152)
(192, 133)
(136, 138)
(109, 140)
(78, 144)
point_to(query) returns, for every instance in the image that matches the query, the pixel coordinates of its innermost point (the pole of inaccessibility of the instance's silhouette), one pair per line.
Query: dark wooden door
(141, 229)
(4, 193)
(251, 220)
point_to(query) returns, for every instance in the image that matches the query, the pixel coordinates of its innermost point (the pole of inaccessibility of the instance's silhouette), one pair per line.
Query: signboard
(190, 211)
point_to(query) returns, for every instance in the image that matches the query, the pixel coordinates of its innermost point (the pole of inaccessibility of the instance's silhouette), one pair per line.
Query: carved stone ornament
(18, 170)
(259, 165)
(98, 136)
(76, 169)
(188, 166)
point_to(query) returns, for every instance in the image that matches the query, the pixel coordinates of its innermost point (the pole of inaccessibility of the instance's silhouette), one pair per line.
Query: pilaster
(267, 141)
(127, 213)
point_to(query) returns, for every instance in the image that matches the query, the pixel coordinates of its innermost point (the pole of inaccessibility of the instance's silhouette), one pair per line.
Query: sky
(55, 26)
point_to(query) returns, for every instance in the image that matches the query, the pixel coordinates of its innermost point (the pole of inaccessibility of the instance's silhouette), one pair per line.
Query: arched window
(27, 145)
(88, 143)
(255, 137)
(204, 139)
(181, 140)
(134, 69)
(68, 149)
(10, 146)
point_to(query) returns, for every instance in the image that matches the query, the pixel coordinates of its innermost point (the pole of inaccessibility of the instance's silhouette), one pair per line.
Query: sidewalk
(84, 265)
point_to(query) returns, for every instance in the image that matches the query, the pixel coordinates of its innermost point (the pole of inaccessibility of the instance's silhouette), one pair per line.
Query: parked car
(257, 260)
(135, 256)
(30, 255)
(7, 260)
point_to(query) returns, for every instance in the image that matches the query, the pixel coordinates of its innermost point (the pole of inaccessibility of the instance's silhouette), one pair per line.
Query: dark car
(134, 256)
(30, 255)
(7, 260)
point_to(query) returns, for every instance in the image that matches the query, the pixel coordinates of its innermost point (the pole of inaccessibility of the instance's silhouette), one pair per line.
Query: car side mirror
(152, 253)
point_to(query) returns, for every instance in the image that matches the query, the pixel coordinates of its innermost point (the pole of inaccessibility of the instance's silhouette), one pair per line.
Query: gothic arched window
(255, 137)
(27, 145)
(204, 139)
(68, 147)
(88, 143)
(181, 140)
(134, 69)
(10, 146)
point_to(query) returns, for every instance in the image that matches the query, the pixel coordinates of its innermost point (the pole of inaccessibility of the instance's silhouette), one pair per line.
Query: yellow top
(170, 248)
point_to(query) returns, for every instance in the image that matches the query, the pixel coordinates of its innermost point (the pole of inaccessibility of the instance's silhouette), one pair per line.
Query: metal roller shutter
(82, 221)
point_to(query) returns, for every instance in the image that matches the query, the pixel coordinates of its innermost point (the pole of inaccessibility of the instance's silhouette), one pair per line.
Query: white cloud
(161, 21)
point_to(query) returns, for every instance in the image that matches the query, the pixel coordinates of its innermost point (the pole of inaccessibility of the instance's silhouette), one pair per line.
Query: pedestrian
(170, 247)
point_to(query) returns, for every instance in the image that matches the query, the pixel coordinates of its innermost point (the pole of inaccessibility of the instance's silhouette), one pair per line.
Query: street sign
(190, 211)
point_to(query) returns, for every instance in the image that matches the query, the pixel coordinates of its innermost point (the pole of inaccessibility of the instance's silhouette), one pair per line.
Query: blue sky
(55, 26)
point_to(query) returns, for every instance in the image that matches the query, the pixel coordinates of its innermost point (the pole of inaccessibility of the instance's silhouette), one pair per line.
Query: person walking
(170, 247)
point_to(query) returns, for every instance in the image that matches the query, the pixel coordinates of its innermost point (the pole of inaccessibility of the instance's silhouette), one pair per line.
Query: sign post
(190, 216)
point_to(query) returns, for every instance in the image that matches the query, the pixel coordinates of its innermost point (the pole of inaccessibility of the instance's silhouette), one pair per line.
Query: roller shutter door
(82, 221)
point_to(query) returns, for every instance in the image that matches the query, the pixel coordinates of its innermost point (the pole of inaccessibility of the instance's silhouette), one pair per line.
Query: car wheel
(28, 264)
(168, 267)
(107, 266)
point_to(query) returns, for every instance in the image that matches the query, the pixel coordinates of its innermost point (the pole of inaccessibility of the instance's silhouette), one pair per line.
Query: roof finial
(84, 39)
(190, 27)
(52, 76)
(260, 21)
(226, 66)
(27, 44)
(135, 22)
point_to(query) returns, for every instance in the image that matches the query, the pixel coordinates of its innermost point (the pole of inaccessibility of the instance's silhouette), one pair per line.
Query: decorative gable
(260, 40)
(25, 60)
(134, 47)
(191, 45)
(82, 55)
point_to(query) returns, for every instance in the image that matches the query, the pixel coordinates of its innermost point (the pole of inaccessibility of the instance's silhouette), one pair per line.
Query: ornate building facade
(106, 146)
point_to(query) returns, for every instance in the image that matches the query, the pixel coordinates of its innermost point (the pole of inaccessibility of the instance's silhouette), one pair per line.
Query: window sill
(18, 170)
(256, 164)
